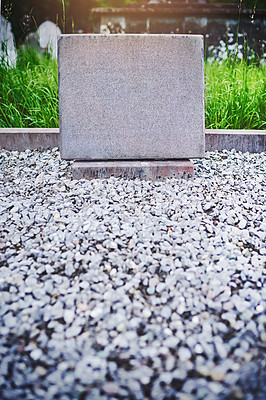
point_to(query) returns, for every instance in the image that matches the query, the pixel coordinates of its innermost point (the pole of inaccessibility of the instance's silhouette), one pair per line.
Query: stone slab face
(126, 97)
(150, 170)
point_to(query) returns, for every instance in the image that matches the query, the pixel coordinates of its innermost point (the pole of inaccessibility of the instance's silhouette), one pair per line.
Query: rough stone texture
(131, 96)
(152, 170)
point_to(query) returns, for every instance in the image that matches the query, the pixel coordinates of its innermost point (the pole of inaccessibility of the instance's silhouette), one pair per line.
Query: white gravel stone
(36, 354)
(69, 316)
(120, 288)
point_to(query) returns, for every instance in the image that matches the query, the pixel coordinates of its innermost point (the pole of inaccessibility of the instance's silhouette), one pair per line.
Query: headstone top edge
(126, 35)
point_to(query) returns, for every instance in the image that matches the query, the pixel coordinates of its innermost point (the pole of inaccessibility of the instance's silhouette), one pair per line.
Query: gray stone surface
(28, 138)
(253, 141)
(131, 96)
(152, 170)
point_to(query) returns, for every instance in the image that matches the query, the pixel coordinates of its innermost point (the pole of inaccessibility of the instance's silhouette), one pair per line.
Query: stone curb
(216, 139)
(28, 138)
(152, 170)
(240, 140)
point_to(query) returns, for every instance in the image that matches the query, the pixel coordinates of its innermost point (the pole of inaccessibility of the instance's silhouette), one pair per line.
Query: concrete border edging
(215, 139)
(240, 140)
(21, 139)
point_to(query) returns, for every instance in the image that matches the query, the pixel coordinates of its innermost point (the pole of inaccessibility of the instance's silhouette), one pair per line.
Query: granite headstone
(131, 97)
(48, 33)
(32, 41)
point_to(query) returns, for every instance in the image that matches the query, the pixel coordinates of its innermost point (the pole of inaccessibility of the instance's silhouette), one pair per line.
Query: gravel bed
(127, 289)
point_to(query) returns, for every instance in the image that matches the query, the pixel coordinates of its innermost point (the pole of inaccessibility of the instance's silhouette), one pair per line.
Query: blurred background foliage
(27, 15)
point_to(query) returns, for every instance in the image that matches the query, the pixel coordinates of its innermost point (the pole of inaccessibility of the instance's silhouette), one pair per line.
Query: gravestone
(32, 41)
(8, 53)
(131, 97)
(48, 34)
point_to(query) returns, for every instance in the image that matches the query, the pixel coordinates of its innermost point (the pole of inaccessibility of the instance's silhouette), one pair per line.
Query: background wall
(26, 15)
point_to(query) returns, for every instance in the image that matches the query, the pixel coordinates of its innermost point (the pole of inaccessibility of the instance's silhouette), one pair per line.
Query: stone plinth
(128, 97)
(152, 170)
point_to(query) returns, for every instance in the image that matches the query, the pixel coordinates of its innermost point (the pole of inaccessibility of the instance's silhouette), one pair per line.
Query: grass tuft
(235, 95)
(29, 92)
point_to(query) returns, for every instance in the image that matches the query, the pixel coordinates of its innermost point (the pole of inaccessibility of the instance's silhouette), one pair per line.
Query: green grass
(29, 92)
(235, 94)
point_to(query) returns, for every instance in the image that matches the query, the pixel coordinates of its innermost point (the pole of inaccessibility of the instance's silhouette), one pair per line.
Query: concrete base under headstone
(150, 170)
